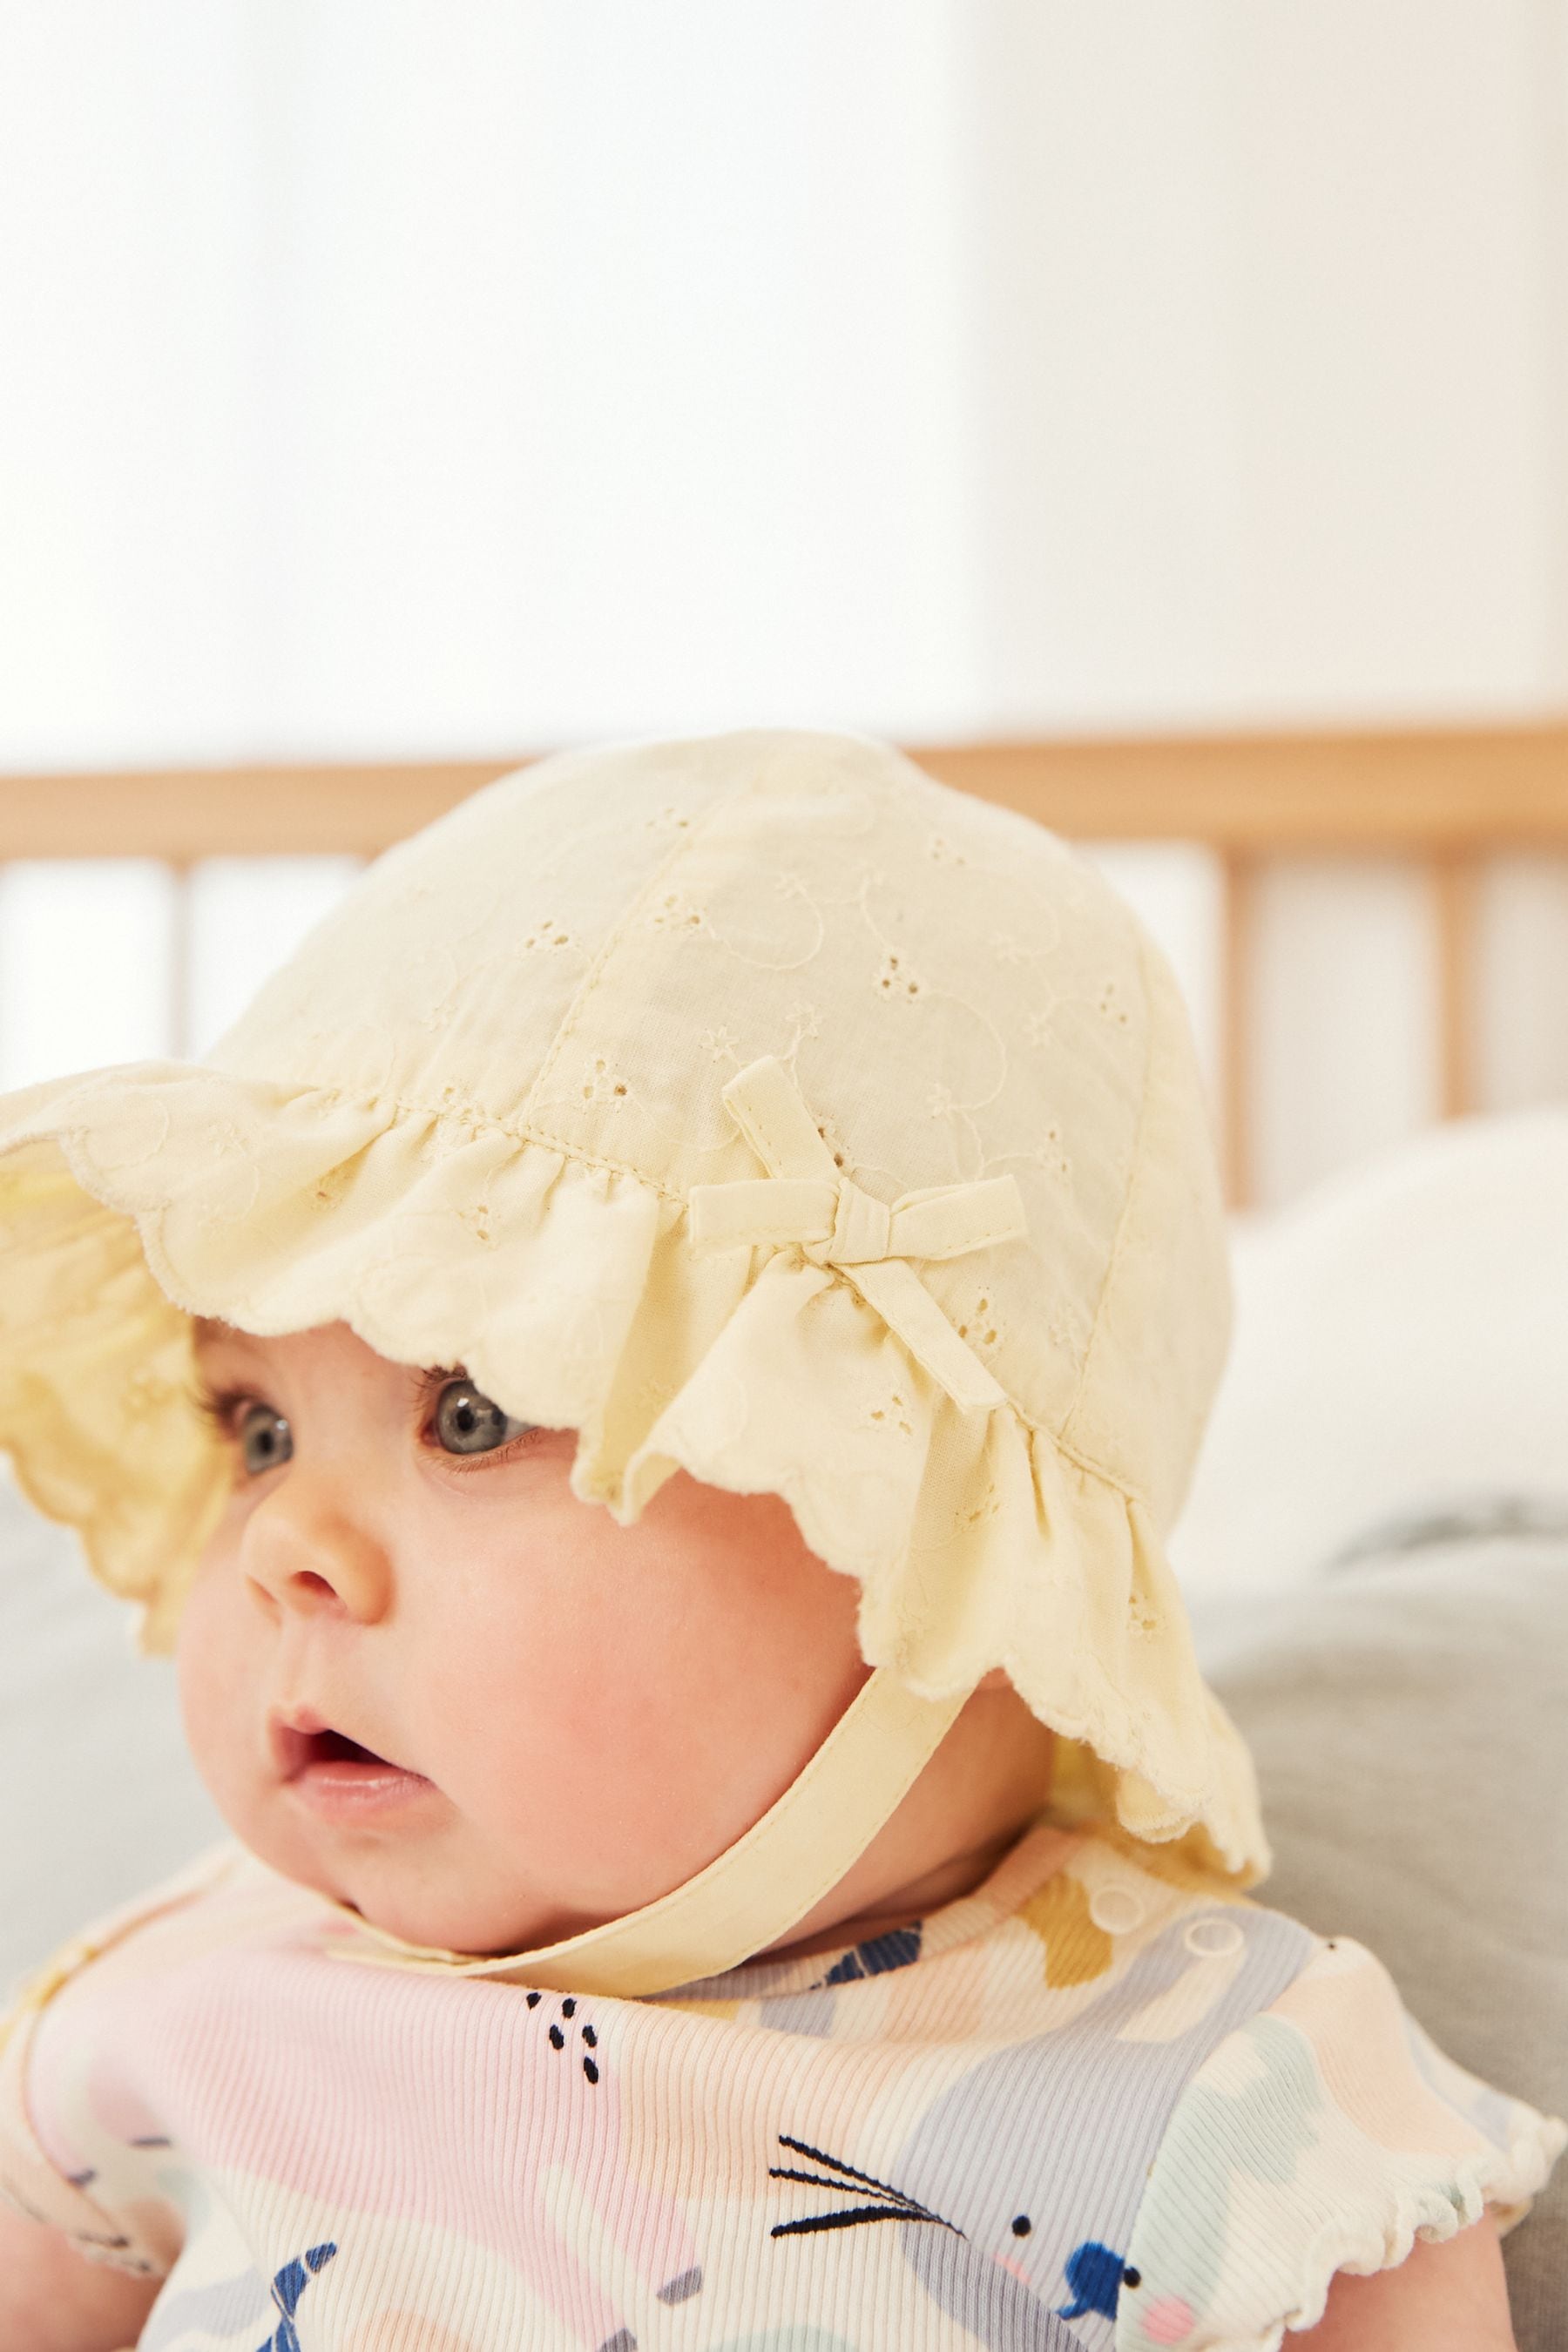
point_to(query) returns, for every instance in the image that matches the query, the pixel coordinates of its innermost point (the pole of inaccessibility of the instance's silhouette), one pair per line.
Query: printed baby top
(1101, 2101)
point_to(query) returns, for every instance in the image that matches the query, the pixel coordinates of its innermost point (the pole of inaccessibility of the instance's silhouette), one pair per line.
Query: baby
(646, 1381)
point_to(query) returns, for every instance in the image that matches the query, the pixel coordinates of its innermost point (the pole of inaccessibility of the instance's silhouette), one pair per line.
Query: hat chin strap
(754, 1891)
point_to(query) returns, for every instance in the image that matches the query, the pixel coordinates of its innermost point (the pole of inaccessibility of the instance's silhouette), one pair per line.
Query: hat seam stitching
(1087, 1463)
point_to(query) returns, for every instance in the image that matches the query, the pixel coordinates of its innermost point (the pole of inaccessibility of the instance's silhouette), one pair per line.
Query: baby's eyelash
(426, 1383)
(219, 1408)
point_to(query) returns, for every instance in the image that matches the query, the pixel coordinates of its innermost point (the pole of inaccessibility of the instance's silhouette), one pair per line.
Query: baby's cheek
(198, 1667)
(569, 1764)
(216, 1678)
(524, 1736)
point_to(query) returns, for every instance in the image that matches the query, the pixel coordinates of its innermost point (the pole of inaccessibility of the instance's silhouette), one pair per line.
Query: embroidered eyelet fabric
(754, 1104)
(1104, 2103)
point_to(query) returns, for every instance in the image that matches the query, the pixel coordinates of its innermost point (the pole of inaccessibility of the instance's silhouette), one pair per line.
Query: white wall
(447, 374)
(1268, 305)
(129, 199)
(470, 375)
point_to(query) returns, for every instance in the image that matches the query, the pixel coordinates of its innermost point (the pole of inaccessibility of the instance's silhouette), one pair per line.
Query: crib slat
(1238, 910)
(1453, 888)
(179, 991)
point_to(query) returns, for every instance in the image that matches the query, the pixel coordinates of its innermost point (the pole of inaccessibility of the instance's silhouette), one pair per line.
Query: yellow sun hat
(754, 1105)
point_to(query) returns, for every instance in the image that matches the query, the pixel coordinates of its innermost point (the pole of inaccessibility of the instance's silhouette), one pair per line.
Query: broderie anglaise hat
(754, 1105)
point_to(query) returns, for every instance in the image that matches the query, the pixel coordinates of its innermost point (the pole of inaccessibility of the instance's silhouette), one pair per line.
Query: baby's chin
(442, 1901)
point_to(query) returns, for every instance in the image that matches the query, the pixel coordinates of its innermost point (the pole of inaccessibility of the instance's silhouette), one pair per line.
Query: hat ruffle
(139, 1196)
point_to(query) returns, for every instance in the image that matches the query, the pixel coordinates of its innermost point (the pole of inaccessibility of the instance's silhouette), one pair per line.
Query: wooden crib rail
(1442, 797)
(1413, 792)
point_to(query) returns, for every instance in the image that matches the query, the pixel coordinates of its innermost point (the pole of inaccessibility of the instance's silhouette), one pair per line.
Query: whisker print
(826, 2180)
(847, 2220)
(836, 2164)
(891, 2204)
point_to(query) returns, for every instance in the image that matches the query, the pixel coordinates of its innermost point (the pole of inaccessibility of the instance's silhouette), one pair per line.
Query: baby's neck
(960, 1875)
(986, 1783)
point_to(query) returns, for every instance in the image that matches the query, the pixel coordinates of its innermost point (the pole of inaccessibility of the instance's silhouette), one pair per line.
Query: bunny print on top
(1101, 2101)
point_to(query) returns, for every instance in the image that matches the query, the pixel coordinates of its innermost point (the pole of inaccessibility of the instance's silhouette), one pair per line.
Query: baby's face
(554, 1718)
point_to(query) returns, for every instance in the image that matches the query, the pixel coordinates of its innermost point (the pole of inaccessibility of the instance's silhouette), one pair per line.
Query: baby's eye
(265, 1438)
(466, 1421)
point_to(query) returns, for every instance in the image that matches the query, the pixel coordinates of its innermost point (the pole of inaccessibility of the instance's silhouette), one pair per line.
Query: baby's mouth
(337, 1748)
(336, 1775)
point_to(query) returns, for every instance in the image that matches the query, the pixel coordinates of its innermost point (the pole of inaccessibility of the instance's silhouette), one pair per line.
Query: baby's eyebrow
(206, 1331)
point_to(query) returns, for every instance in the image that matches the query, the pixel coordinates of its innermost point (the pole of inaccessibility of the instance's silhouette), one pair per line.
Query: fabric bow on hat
(805, 1200)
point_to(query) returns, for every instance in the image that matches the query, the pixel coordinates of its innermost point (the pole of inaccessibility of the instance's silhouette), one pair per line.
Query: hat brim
(137, 1197)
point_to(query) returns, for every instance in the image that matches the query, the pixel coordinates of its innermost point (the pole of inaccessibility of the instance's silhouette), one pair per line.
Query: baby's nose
(307, 1559)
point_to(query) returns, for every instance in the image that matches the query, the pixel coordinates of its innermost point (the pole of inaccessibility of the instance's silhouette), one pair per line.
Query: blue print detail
(288, 2287)
(1094, 2274)
(894, 1950)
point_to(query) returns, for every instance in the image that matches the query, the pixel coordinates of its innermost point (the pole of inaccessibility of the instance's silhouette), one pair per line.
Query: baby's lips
(290, 1732)
(299, 1736)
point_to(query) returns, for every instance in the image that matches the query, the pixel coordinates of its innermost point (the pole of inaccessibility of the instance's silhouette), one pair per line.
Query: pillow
(1409, 1716)
(1401, 1338)
(101, 1798)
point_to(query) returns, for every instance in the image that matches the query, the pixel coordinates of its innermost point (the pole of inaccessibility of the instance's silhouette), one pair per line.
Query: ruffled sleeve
(45, 2169)
(1326, 2133)
(37, 2186)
